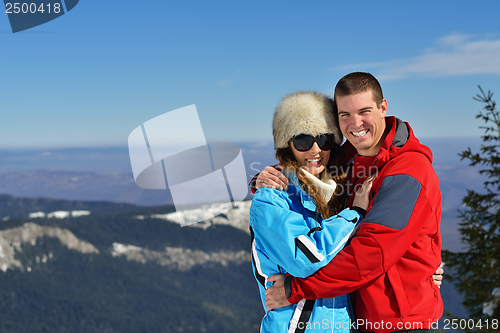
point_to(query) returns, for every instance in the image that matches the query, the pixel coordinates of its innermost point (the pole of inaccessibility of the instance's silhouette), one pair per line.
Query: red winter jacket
(388, 265)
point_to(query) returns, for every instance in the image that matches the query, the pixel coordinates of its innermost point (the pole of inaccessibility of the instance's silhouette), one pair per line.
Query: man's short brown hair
(358, 82)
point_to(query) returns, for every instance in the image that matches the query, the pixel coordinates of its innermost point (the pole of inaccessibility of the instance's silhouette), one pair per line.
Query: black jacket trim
(360, 210)
(312, 258)
(260, 277)
(288, 286)
(313, 230)
(305, 315)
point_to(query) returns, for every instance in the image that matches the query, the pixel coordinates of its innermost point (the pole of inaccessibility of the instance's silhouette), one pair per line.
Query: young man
(389, 263)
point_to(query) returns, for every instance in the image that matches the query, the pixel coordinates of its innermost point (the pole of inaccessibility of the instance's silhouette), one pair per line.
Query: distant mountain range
(102, 174)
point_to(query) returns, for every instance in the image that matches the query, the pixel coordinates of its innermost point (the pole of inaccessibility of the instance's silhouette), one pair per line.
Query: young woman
(297, 231)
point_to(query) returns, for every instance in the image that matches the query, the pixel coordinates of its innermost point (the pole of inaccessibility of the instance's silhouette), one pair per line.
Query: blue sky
(91, 76)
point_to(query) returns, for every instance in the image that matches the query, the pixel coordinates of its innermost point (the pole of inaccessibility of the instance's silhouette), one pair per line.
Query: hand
(271, 177)
(275, 295)
(437, 278)
(362, 196)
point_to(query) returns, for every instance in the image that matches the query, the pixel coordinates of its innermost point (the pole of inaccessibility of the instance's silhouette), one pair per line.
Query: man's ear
(383, 107)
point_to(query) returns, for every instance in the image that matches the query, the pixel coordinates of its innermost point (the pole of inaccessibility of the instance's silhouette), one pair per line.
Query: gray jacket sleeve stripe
(394, 202)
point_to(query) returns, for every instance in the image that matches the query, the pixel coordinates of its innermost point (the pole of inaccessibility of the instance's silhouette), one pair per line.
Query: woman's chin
(315, 170)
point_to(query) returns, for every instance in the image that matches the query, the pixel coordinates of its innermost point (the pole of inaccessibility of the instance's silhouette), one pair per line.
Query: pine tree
(477, 270)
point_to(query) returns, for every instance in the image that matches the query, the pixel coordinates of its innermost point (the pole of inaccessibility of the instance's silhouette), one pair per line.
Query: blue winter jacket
(289, 236)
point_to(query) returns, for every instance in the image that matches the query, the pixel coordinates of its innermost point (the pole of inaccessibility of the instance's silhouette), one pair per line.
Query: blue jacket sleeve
(293, 240)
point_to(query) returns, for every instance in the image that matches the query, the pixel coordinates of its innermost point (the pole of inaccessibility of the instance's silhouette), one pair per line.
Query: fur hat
(304, 113)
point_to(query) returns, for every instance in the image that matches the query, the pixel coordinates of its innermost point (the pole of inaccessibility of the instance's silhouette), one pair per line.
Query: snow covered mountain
(106, 267)
(12, 240)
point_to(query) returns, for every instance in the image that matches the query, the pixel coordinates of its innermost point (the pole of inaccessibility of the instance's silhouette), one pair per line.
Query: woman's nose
(315, 148)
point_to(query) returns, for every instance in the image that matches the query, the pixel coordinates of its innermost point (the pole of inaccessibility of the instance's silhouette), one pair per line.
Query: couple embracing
(346, 236)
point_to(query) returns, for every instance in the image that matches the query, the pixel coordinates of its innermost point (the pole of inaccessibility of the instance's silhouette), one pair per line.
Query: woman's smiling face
(314, 160)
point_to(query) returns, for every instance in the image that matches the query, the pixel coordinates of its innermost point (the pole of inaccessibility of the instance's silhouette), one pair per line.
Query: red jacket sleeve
(399, 223)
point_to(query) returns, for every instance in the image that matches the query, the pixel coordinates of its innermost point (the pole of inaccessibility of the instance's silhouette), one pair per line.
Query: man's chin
(360, 142)
(360, 145)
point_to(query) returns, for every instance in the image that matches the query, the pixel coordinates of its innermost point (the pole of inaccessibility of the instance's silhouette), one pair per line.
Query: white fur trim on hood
(304, 113)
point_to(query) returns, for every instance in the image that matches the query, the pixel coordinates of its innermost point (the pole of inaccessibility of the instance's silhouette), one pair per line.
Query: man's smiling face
(362, 122)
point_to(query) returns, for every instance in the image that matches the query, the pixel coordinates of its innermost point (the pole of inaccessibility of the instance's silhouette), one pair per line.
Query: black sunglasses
(304, 142)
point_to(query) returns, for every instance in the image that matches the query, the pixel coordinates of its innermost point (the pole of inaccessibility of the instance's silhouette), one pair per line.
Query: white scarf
(326, 185)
